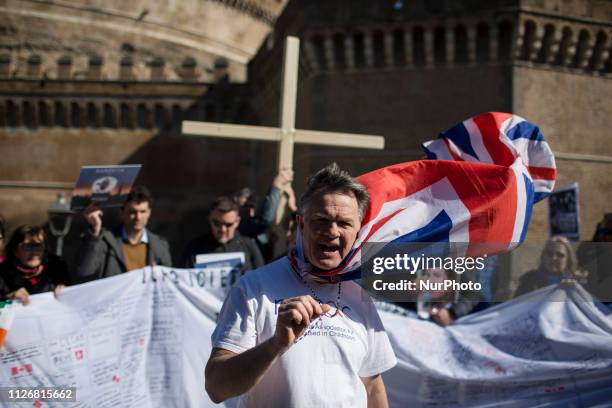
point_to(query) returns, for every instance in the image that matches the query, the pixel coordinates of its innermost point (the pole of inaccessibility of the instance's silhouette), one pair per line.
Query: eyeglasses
(32, 246)
(219, 224)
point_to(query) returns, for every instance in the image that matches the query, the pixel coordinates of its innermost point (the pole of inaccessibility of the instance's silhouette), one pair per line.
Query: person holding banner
(557, 264)
(29, 268)
(106, 253)
(287, 337)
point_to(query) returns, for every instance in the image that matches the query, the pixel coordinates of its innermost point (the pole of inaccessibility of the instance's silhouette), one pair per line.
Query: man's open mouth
(329, 249)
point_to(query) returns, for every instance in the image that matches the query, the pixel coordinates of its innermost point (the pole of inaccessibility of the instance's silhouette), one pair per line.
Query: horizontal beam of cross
(273, 134)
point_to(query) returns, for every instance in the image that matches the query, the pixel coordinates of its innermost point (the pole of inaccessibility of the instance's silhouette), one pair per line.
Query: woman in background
(29, 269)
(557, 263)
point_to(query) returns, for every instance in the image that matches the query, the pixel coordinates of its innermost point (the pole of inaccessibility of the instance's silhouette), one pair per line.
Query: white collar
(144, 239)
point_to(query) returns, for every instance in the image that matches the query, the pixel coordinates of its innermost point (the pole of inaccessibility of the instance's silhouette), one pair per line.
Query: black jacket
(54, 273)
(207, 244)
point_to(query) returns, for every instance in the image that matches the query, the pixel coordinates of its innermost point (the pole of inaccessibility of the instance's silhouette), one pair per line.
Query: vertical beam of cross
(286, 135)
(288, 102)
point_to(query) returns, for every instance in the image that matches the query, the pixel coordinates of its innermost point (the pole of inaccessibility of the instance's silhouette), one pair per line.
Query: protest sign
(105, 186)
(564, 212)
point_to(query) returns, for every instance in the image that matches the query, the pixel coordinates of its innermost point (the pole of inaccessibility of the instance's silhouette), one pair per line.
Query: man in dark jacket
(223, 220)
(106, 253)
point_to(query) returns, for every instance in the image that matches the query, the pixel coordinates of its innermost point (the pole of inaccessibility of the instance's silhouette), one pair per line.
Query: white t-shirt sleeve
(235, 329)
(380, 356)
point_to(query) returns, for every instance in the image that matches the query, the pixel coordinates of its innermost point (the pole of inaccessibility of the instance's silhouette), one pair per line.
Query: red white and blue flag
(479, 185)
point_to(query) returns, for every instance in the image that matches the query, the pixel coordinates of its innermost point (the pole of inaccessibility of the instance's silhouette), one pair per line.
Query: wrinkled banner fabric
(142, 339)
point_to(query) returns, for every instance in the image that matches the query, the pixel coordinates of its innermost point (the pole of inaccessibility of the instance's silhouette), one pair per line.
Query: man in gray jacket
(105, 253)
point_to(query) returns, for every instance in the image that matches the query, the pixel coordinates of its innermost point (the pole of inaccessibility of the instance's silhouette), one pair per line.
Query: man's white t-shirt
(323, 368)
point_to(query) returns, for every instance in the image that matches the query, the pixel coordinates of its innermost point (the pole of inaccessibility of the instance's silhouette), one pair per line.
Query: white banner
(550, 348)
(142, 339)
(139, 339)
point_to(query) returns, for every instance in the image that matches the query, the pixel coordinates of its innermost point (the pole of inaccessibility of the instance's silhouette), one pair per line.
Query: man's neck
(134, 236)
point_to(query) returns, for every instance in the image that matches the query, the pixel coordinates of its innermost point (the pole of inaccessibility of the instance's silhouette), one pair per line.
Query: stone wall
(50, 128)
(573, 112)
(410, 71)
(123, 39)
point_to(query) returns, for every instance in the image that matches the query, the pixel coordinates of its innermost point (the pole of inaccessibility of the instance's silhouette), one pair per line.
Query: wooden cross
(286, 135)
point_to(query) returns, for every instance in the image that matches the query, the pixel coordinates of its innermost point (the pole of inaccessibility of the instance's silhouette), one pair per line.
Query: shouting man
(288, 337)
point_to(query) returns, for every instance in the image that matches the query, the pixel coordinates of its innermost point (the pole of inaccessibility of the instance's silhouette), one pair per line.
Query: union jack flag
(478, 186)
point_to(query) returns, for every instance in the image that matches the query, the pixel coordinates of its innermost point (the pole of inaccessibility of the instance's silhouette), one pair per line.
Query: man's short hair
(139, 194)
(224, 204)
(332, 179)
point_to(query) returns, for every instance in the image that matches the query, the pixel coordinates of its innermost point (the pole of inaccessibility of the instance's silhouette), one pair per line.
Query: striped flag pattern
(478, 185)
(499, 138)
